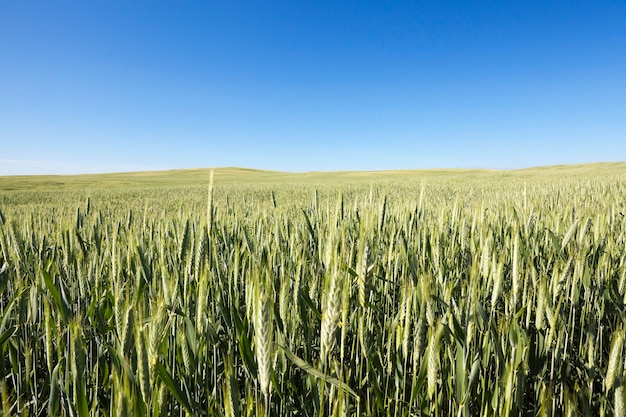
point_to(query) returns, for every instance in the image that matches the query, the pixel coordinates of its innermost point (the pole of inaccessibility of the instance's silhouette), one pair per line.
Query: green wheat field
(258, 293)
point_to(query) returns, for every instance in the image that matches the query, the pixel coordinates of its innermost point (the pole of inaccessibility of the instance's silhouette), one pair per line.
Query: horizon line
(208, 168)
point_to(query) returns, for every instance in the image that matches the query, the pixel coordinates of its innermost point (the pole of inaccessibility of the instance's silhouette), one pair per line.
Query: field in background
(230, 176)
(441, 292)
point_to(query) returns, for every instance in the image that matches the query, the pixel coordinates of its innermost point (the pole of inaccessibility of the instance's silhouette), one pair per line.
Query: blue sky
(99, 86)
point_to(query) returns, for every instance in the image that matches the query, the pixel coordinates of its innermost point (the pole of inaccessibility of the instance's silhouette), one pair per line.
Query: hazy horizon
(338, 171)
(122, 87)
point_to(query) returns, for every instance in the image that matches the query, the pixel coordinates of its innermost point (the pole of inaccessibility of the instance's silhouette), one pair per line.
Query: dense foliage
(446, 296)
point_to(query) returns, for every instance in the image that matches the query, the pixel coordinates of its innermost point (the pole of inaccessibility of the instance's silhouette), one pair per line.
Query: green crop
(397, 294)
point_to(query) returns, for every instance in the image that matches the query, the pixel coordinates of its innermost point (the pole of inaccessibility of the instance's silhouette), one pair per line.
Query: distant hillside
(233, 175)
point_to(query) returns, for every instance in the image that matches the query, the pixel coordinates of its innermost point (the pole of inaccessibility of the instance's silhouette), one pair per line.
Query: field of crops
(383, 294)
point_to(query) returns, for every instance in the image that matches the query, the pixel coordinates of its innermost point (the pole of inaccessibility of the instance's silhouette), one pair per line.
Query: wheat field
(439, 293)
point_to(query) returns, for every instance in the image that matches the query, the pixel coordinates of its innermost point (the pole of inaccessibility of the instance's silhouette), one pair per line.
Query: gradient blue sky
(98, 86)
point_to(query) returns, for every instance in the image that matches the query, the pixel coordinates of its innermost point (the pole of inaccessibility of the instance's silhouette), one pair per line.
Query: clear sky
(98, 86)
